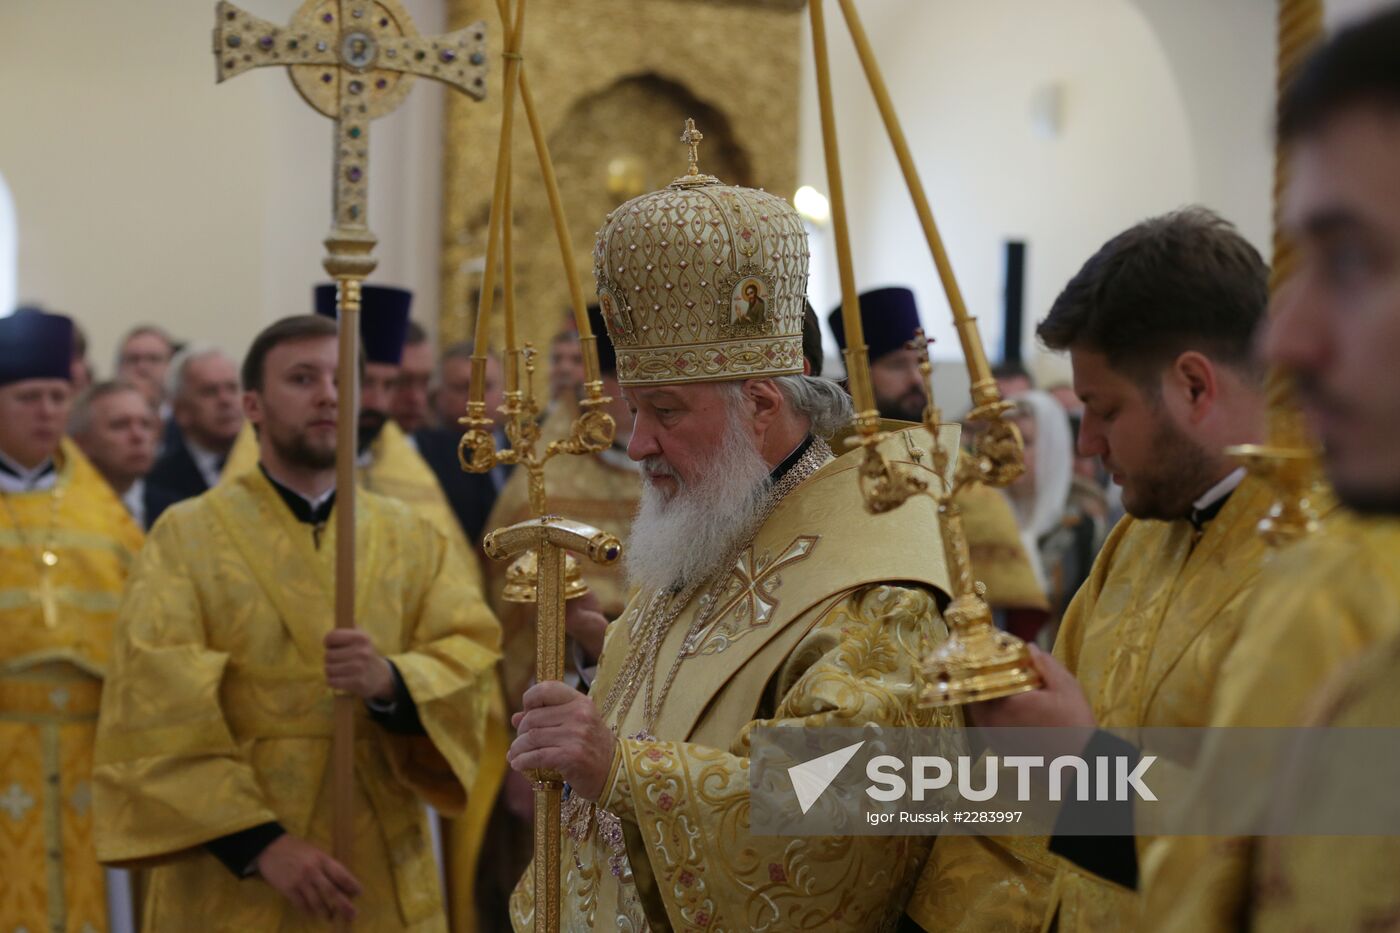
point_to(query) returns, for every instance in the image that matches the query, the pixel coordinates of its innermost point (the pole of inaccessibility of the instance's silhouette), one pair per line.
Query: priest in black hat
(66, 546)
(890, 316)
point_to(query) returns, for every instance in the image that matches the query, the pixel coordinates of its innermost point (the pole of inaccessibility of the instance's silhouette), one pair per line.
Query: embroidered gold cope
(55, 632)
(1146, 637)
(820, 622)
(1318, 606)
(217, 717)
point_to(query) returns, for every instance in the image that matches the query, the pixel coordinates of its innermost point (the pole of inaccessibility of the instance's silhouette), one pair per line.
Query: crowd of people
(171, 674)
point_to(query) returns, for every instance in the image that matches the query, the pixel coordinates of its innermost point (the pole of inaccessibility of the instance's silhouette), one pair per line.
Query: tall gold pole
(999, 447)
(343, 65)
(1288, 458)
(476, 420)
(549, 538)
(984, 386)
(857, 359)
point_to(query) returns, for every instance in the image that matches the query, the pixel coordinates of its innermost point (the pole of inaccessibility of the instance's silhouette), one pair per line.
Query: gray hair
(179, 366)
(80, 417)
(824, 403)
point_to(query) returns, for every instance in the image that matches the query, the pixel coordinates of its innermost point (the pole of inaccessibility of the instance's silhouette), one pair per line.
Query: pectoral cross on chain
(354, 61)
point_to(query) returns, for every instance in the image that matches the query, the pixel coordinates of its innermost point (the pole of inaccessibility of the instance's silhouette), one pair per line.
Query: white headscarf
(1054, 473)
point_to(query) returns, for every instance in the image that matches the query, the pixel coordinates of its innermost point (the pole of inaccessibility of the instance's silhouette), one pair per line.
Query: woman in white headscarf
(1059, 537)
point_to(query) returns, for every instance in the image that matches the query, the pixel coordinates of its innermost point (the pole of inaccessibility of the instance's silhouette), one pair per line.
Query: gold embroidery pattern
(749, 598)
(692, 802)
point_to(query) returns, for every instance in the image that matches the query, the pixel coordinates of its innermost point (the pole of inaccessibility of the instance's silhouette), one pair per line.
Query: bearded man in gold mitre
(766, 594)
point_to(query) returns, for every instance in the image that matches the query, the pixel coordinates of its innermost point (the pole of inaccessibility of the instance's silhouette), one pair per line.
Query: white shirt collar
(206, 461)
(135, 501)
(1221, 489)
(40, 478)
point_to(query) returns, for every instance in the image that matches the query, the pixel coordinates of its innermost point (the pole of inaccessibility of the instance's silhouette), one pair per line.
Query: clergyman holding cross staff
(215, 729)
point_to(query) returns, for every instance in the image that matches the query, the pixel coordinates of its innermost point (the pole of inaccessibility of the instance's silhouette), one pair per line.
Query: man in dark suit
(206, 406)
(471, 495)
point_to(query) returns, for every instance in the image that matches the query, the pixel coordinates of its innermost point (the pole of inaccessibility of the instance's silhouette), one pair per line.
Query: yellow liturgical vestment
(820, 622)
(217, 716)
(394, 469)
(1305, 883)
(1319, 605)
(1145, 637)
(56, 617)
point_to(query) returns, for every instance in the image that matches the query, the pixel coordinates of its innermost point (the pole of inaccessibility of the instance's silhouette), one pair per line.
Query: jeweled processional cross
(354, 61)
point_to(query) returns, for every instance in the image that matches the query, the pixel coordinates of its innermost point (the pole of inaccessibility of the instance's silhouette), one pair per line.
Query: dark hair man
(1158, 325)
(1319, 647)
(225, 665)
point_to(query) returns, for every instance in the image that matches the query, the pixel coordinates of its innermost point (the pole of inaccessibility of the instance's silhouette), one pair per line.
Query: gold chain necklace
(662, 610)
(45, 557)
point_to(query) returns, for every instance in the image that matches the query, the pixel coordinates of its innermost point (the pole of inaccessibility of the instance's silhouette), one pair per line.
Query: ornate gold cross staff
(550, 539)
(976, 663)
(354, 61)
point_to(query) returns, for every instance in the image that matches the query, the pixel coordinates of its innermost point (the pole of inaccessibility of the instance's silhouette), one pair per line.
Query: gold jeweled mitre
(703, 281)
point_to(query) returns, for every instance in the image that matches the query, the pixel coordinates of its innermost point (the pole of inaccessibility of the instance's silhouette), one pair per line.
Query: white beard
(685, 539)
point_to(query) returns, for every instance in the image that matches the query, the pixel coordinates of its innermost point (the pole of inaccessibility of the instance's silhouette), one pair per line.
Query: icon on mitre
(749, 303)
(619, 324)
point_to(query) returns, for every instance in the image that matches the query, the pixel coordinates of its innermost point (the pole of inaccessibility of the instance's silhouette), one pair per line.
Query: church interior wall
(145, 192)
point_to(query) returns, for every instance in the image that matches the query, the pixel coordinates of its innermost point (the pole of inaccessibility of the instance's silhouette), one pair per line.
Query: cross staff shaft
(353, 61)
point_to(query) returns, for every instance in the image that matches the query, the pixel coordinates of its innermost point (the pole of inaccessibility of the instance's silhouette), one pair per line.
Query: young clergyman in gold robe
(66, 547)
(1158, 326)
(388, 464)
(767, 593)
(214, 737)
(1336, 594)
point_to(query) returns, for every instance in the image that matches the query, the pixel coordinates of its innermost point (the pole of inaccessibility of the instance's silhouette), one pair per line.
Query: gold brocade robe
(601, 490)
(1318, 606)
(217, 717)
(395, 470)
(51, 673)
(1345, 884)
(820, 623)
(1145, 636)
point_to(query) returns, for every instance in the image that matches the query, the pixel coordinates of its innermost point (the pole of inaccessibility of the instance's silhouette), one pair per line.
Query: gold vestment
(217, 716)
(52, 661)
(821, 622)
(998, 555)
(395, 470)
(1145, 636)
(1304, 883)
(1319, 605)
